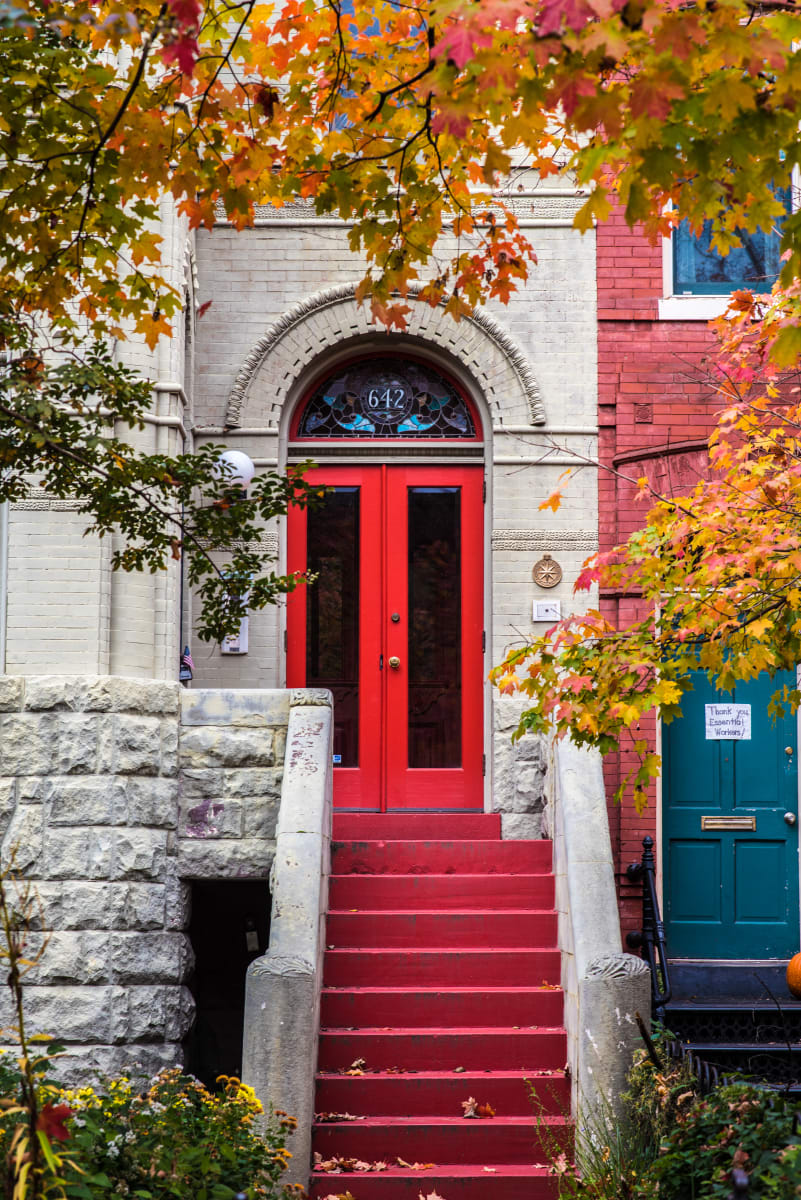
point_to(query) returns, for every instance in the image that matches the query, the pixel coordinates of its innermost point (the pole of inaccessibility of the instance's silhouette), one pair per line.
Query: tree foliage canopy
(408, 118)
(716, 573)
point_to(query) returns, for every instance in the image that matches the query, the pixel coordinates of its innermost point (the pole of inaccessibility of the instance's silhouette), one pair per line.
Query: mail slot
(709, 824)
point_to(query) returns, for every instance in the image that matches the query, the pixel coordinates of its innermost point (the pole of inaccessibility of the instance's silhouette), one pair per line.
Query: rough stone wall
(113, 806)
(520, 772)
(231, 758)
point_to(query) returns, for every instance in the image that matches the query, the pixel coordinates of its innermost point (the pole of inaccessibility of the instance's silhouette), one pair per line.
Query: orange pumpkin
(794, 975)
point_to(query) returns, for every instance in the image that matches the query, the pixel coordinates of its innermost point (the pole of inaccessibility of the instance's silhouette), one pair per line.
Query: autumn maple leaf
(459, 42)
(184, 51)
(51, 1122)
(575, 14)
(185, 12)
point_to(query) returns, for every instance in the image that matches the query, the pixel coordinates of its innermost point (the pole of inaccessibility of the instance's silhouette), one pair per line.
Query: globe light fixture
(240, 469)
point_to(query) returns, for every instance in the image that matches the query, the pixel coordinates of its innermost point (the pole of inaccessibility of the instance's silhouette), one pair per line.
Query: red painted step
(444, 1139)
(430, 968)
(411, 826)
(419, 892)
(386, 857)
(501, 1181)
(442, 974)
(388, 930)
(442, 1006)
(441, 1093)
(443, 1049)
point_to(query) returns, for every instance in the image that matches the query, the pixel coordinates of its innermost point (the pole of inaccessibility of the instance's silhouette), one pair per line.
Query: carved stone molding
(544, 539)
(39, 500)
(617, 966)
(268, 544)
(424, 324)
(528, 206)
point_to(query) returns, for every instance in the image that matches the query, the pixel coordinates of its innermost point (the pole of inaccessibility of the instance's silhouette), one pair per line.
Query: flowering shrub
(177, 1139)
(174, 1140)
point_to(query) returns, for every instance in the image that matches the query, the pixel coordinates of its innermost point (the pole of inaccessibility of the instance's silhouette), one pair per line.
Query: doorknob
(790, 818)
(788, 750)
(394, 662)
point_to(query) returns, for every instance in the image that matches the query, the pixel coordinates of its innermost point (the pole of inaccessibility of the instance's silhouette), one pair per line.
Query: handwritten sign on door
(728, 722)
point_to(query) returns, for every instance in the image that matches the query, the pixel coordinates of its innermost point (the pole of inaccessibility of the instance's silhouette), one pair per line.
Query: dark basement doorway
(228, 928)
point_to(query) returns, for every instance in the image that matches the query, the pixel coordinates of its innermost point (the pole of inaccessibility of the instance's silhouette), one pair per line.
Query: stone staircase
(441, 983)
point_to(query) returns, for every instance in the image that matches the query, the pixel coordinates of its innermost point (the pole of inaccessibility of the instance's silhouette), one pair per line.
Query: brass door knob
(790, 818)
(788, 750)
(394, 662)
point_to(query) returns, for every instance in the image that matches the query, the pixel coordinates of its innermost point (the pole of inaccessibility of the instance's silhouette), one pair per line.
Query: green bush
(676, 1145)
(735, 1126)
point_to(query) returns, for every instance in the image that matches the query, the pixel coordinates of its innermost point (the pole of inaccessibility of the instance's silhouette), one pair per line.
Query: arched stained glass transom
(386, 396)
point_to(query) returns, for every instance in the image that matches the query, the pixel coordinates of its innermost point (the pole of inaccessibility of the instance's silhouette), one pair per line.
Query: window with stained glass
(386, 397)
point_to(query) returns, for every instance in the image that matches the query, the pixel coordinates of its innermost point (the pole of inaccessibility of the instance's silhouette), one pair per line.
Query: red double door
(392, 624)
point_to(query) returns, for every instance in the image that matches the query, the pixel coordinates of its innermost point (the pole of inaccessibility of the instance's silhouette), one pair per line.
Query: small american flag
(187, 665)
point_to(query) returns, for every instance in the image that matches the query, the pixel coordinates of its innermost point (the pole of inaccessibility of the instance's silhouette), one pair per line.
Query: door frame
(659, 821)
(480, 453)
(381, 760)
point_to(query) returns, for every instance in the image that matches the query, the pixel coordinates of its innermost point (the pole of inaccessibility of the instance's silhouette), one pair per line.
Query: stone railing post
(282, 1003)
(603, 987)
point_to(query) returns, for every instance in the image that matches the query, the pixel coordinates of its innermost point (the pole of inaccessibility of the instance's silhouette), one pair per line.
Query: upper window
(699, 270)
(386, 397)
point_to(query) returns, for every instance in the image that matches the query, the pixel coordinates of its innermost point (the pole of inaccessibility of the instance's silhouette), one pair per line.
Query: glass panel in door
(434, 627)
(332, 614)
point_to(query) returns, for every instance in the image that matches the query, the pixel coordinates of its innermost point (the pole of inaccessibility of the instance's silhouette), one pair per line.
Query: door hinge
(484, 490)
(286, 641)
(483, 764)
(483, 641)
(381, 662)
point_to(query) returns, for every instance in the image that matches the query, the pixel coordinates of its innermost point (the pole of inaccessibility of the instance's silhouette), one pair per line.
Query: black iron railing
(651, 938)
(709, 1075)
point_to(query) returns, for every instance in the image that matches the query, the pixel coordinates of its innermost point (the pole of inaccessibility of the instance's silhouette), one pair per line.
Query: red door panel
(393, 625)
(434, 710)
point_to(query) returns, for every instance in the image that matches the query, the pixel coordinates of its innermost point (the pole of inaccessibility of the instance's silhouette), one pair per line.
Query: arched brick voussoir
(332, 318)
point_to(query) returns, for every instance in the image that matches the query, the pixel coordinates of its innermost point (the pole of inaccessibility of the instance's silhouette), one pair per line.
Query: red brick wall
(653, 401)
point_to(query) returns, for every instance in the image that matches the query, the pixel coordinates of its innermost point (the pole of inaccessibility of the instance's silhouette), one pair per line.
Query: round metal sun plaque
(547, 572)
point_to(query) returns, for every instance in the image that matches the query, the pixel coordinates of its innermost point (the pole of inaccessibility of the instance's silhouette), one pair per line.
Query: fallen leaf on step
(329, 1165)
(356, 1067)
(489, 1170)
(472, 1109)
(380, 1166)
(459, 1070)
(324, 1118)
(415, 1166)
(339, 1196)
(430, 1196)
(549, 987)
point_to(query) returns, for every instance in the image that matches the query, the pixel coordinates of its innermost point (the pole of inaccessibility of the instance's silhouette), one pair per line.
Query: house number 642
(391, 397)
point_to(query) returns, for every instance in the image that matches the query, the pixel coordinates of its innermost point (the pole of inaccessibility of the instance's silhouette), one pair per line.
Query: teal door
(730, 838)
